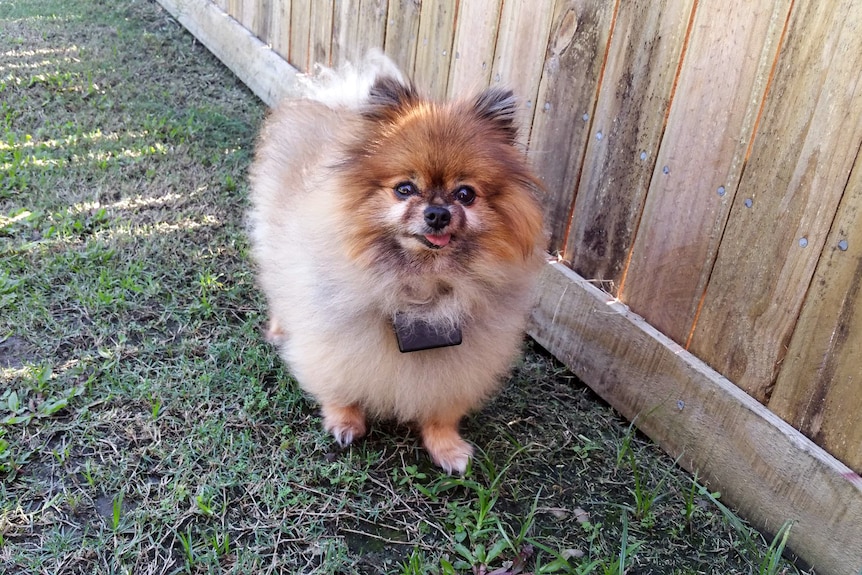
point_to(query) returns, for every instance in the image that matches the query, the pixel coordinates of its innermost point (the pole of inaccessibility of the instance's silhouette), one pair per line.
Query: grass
(145, 426)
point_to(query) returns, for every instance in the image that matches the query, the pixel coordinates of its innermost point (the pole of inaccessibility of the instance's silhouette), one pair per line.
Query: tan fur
(339, 254)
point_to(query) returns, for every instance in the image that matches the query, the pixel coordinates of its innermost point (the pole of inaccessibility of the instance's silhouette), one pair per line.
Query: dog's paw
(447, 449)
(274, 333)
(344, 423)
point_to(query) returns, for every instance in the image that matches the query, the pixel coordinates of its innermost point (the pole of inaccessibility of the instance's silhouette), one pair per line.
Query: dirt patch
(15, 353)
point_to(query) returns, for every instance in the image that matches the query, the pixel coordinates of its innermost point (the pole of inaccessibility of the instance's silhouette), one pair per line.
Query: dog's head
(439, 185)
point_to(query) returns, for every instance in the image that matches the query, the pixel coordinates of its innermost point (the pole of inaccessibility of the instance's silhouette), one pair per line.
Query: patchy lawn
(145, 426)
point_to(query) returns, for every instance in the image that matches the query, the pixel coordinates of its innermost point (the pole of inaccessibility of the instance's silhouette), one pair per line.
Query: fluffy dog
(398, 241)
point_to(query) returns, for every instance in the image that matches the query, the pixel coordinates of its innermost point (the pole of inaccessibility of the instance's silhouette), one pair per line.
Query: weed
(205, 502)
(221, 544)
(627, 550)
(5, 454)
(690, 501)
(585, 447)
(477, 527)
(37, 400)
(87, 473)
(624, 448)
(772, 563)
(645, 497)
(185, 540)
(417, 564)
(117, 511)
(156, 408)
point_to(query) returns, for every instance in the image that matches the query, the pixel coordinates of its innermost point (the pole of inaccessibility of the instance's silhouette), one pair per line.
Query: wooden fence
(703, 168)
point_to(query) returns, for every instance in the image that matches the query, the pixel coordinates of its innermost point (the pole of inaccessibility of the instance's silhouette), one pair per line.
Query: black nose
(437, 217)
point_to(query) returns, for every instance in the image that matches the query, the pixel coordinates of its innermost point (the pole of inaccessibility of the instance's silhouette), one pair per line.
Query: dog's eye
(404, 190)
(465, 195)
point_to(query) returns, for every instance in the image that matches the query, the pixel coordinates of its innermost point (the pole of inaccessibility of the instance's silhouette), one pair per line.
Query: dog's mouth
(434, 241)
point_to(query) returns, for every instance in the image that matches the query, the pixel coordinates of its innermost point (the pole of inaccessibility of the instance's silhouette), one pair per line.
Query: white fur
(349, 86)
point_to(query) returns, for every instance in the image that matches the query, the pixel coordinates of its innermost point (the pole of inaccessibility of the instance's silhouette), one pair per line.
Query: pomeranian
(398, 241)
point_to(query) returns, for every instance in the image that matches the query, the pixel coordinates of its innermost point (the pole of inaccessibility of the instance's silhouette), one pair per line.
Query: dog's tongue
(438, 241)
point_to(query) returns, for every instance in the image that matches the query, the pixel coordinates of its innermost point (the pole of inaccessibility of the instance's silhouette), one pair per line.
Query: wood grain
(800, 161)
(320, 33)
(522, 41)
(761, 465)
(371, 31)
(280, 29)
(358, 26)
(567, 94)
(264, 19)
(721, 86)
(626, 128)
(474, 44)
(434, 47)
(300, 34)
(249, 16)
(818, 387)
(402, 31)
(345, 21)
(268, 75)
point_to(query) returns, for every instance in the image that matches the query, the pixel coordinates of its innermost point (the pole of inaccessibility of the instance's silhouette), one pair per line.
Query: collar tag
(416, 335)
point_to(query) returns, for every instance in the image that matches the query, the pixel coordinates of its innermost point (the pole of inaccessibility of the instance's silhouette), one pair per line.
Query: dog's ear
(498, 106)
(388, 96)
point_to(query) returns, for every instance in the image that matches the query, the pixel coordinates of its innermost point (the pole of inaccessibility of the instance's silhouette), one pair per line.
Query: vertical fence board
(719, 93)
(249, 16)
(264, 19)
(567, 92)
(402, 30)
(234, 9)
(475, 39)
(522, 41)
(434, 50)
(279, 33)
(300, 28)
(320, 33)
(359, 26)
(818, 388)
(800, 161)
(345, 21)
(245, 14)
(371, 31)
(627, 124)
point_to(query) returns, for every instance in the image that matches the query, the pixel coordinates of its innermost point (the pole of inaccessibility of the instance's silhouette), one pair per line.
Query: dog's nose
(437, 217)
